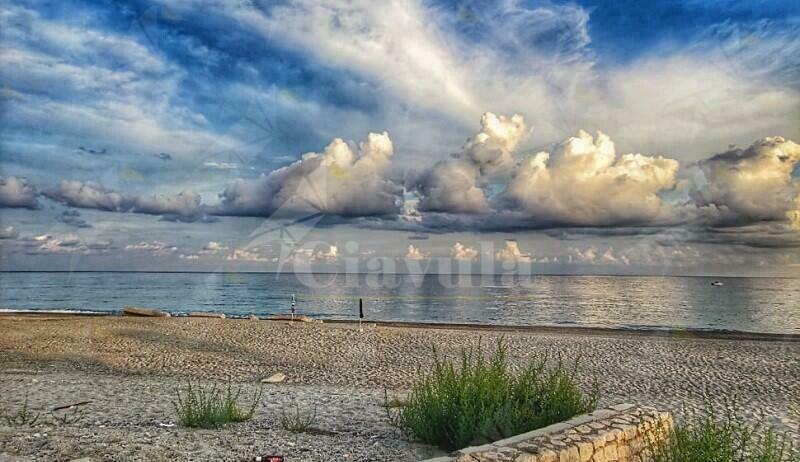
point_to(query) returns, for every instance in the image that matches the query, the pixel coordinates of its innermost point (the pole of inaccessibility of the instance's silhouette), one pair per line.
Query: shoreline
(694, 333)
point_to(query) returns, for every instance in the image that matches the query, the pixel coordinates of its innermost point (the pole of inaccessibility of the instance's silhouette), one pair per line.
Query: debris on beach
(274, 378)
(203, 314)
(147, 312)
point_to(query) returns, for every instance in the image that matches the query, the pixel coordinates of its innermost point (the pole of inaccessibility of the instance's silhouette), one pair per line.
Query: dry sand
(129, 367)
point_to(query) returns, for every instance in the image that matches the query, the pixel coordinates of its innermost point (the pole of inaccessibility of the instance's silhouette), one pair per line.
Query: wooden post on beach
(360, 313)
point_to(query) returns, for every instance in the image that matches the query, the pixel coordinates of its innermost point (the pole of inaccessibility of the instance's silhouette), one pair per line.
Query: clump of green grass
(482, 399)
(210, 407)
(297, 422)
(712, 435)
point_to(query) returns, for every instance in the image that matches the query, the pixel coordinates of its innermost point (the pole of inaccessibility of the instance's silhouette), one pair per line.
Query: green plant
(296, 422)
(209, 407)
(23, 416)
(714, 436)
(482, 400)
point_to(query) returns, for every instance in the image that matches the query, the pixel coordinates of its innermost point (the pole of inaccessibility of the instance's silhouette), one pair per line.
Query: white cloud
(155, 247)
(591, 255)
(394, 43)
(336, 182)
(461, 252)
(183, 204)
(584, 183)
(326, 255)
(64, 244)
(414, 253)
(491, 148)
(451, 187)
(745, 186)
(91, 195)
(214, 246)
(247, 255)
(512, 253)
(88, 195)
(16, 192)
(9, 232)
(534, 59)
(454, 186)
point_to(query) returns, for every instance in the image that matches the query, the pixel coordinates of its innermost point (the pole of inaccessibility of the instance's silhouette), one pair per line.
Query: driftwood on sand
(139, 311)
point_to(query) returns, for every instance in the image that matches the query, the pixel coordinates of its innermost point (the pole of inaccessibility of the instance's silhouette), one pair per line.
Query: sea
(766, 305)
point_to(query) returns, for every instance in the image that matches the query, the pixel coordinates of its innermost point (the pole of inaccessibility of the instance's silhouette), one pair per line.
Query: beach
(129, 367)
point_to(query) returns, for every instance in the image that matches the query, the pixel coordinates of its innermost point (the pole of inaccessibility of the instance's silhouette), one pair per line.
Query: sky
(581, 137)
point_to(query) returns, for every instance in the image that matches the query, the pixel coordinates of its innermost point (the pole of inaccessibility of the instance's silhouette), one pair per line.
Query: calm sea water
(747, 304)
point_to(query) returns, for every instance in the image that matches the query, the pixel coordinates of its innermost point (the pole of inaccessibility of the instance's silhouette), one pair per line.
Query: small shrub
(714, 436)
(24, 416)
(296, 422)
(69, 417)
(482, 400)
(209, 407)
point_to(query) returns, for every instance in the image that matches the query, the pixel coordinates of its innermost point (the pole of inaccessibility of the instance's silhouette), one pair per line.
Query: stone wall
(618, 433)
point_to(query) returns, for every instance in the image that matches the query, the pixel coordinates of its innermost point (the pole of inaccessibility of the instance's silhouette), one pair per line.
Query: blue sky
(152, 135)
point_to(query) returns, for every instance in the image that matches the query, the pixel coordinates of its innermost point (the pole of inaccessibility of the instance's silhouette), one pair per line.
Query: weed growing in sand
(209, 407)
(70, 416)
(23, 416)
(714, 436)
(296, 422)
(482, 400)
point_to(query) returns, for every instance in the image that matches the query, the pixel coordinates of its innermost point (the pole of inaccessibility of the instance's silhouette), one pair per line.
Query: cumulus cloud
(512, 253)
(183, 204)
(15, 192)
(745, 186)
(454, 185)
(451, 187)
(88, 195)
(591, 255)
(155, 247)
(214, 246)
(247, 255)
(337, 181)
(69, 243)
(460, 251)
(325, 255)
(414, 253)
(9, 232)
(584, 183)
(491, 149)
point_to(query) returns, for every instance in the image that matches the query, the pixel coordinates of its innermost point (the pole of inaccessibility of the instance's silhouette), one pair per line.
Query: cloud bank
(185, 206)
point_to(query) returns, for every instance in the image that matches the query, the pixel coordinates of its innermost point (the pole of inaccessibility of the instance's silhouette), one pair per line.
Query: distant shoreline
(610, 275)
(541, 329)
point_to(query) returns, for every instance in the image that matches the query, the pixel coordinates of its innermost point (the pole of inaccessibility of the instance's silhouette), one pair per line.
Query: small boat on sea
(717, 283)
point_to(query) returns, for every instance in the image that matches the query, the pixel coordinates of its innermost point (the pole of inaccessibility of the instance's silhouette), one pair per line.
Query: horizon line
(412, 274)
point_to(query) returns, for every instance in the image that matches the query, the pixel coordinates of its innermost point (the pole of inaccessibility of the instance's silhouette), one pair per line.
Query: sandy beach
(129, 367)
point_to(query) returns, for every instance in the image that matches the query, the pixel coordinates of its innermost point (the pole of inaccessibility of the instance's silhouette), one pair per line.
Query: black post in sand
(360, 312)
